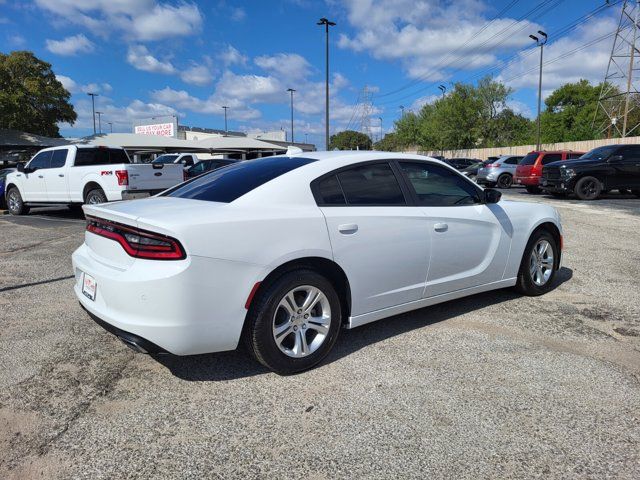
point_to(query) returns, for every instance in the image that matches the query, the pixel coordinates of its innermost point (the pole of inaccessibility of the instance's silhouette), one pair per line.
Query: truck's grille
(551, 173)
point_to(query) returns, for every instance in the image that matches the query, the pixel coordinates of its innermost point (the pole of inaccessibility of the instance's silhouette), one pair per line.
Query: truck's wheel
(505, 181)
(95, 196)
(15, 204)
(588, 188)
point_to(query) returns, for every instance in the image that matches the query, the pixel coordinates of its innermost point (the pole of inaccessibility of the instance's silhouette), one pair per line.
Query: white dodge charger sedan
(283, 251)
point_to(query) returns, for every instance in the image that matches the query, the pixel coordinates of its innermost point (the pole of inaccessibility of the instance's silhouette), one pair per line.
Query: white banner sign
(162, 129)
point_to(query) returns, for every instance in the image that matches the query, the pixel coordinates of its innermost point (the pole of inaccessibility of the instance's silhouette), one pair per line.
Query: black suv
(613, 167)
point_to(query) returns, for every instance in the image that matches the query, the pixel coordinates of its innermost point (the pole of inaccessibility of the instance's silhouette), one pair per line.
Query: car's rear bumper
(185, 307)
(133, 194)
(527, 181)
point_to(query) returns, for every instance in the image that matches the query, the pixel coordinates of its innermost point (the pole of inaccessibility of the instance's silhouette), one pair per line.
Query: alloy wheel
(541, 262)
(505, 181)
(301, 321)
(14, 201)
(589, 189)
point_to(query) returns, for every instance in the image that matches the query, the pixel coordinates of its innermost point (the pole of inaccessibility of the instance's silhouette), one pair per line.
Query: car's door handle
(61, 174)
(348, 228)
(441, 227)
(40, 176)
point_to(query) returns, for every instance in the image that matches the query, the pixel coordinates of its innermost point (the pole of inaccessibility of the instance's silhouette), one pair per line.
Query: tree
(31, 98)
(388, 143)
(349, 140)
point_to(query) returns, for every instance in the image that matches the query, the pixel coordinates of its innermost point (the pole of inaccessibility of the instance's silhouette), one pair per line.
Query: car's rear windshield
(529, 159)
(600, 153)
(229, 183)
(100, 156)
(165, 159)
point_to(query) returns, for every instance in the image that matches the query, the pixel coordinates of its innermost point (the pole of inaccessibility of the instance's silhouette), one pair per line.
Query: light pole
(99, 121)
(327, 24)
(306, 136)
(381, 132)
(401, 111)
(291, 90)
(93, 109)
(110, 126)
(226, 130)
(540, 42)
(443, 89)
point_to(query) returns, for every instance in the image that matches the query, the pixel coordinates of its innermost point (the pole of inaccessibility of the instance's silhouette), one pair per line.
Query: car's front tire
(15, 205)
(538, 265)
(588, 188)
(294, 322)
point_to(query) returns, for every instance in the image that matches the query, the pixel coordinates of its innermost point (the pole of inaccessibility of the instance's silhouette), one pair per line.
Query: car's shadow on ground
(239, 364)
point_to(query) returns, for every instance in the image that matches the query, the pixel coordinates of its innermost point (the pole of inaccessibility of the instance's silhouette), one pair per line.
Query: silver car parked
(500, 172)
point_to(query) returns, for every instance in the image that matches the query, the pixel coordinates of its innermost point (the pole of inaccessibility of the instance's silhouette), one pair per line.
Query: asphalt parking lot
(492, 386)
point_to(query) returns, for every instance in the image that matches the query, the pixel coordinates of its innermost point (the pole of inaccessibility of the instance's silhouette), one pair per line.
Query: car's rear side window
(551, 157)
(229, 183)
(330, 192)
(371, 184)
(100, 156)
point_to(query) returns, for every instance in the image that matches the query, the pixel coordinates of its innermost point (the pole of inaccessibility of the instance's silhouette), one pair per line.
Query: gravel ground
(494, 385)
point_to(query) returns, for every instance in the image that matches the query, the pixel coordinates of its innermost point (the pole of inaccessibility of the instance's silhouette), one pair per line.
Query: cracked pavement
(494, 385)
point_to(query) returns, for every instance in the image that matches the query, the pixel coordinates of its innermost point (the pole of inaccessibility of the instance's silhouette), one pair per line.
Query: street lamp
(226, 130)
(443, 89)
(291, 90)
(327, 24)
(110, 126)
(99, 121)
(401, 111)
(93, 109)
(540, 42)
(306, 138)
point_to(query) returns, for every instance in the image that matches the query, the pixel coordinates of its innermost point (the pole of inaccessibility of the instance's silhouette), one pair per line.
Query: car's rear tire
(293, 322)
(15, 205)
(531, 189)
(505, 181)
(588, 188)
(538, 265)
(95, 197)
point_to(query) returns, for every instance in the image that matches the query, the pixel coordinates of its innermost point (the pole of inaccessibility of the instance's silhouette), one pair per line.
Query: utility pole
(291, 90)
(381, 131)
(540, 42)
(226, 130)
(99, 122)
(110, 126)
(327, 23)
(306, 136)
(93, 109)
(442, 89)
(401, 111)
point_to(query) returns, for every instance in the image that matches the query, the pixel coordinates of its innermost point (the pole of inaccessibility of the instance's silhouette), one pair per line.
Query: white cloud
(140, 58)
(135, 19)
(197, 75)
(68, 83)
(238, 14)
(231, 56)
(421, 35)
(285, 65)
(589, 63)
(73, 87)
(71, 45)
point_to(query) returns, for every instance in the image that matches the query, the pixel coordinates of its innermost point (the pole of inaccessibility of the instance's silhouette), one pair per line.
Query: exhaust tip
(133, 345)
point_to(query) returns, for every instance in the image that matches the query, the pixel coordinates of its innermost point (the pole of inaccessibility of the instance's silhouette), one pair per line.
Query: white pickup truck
(76, 174)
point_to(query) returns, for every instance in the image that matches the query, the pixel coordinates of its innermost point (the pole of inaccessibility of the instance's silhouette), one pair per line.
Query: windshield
(529, 159)
(600, 153)
(165, 159)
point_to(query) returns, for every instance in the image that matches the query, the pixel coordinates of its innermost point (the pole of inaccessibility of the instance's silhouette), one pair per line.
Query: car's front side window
(436, 186)
(41, 161)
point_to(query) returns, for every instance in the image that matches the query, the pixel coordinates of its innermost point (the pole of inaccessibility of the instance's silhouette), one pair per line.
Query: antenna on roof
(291, 151)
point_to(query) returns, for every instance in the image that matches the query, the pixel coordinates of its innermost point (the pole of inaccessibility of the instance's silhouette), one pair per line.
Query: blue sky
(153, 57)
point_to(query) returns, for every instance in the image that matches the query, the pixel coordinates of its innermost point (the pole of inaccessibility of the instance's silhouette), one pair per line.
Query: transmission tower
(367, 110)
(620, 94)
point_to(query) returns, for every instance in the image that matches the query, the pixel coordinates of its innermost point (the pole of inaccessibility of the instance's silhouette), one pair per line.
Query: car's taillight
(136, 242)
(492, 165)
(536, 170)
(123, 177)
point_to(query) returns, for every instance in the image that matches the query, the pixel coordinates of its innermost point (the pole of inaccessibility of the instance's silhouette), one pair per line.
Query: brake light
(536, 170)
(493, 165)
(123, 177)
(136, 242)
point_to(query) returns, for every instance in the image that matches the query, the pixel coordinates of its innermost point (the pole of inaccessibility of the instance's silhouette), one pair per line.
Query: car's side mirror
(20, 167)
(615, 158)
(492, 196)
